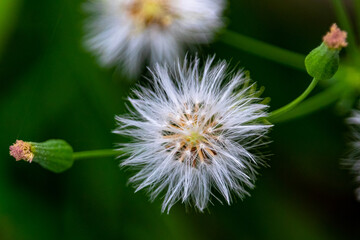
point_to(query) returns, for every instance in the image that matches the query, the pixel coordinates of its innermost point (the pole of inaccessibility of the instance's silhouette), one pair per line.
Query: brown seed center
(151, 12)
(191, 136)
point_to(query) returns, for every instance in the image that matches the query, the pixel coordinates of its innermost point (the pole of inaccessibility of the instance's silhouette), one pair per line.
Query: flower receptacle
(323, 62)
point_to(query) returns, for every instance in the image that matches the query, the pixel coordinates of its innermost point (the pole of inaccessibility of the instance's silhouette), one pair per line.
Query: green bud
(323, 62)
(53, 155)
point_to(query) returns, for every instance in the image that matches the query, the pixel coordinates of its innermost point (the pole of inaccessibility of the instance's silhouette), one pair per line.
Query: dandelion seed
(213, 124)
(130, 32)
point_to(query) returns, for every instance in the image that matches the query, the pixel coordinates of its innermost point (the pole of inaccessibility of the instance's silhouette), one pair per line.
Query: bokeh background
(50, 87)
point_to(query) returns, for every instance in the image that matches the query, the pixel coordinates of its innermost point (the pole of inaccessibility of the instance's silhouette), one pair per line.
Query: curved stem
(96, 154)
(314, 103)
(275, 114)
(345, 23)
(264, 50)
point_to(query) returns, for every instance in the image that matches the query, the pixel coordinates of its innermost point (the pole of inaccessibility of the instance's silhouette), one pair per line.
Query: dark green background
(52, 88)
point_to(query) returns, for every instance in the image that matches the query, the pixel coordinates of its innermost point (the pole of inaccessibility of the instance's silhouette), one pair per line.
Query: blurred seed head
(131, 33)
(353, 159)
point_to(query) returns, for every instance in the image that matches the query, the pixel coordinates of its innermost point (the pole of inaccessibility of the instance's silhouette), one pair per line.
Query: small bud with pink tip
(55, 155)
(323, 62)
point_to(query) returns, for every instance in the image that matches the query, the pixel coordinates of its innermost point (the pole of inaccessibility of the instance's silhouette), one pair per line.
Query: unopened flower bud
(323, 62)
(53, 155)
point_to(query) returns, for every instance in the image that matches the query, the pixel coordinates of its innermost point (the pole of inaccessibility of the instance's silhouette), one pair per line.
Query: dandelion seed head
(353, 159)
(211, 125)
(129, 33)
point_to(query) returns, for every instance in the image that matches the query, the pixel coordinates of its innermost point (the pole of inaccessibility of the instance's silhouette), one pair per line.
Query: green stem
(345, 23)
(314, 103)
(96, 154)
(357, 15)
(264, 50)
(275, 114)
(8, 15)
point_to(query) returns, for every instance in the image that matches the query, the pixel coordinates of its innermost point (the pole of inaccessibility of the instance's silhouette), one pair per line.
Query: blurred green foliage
(52, 88)
(8, 13)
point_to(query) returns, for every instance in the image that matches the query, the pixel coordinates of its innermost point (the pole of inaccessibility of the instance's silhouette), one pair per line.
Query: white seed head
(353, 160)
(213, 124)
(128, 33)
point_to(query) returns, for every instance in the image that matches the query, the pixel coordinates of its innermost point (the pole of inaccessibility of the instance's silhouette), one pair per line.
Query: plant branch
(277, 113)
(345, 24)
(357, 15)
(314, 103)
(264, 50)
(96, 154)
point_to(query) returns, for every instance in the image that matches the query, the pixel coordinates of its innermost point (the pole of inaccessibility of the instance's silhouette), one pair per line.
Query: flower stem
(96, 154)
(8, 15)
(357, 14)
(264, 50)
(277, 113)
(314, 103)
(345, 23)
